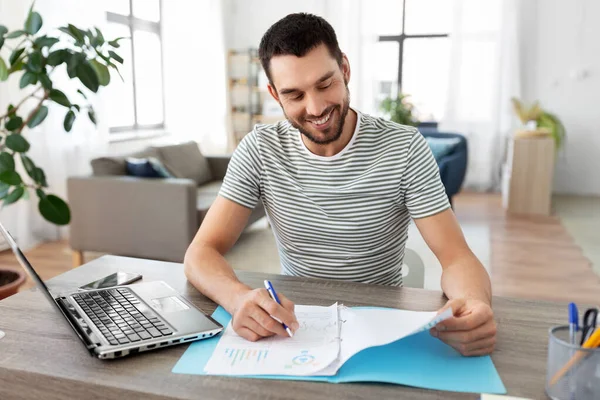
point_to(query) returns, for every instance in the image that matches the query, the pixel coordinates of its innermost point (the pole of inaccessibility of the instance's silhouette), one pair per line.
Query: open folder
(339, 344)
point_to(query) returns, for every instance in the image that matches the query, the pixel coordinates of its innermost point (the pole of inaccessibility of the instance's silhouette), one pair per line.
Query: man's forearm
(210, 273)
(467, 278)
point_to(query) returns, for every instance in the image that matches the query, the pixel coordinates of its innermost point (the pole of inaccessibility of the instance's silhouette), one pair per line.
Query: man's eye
(325, 87)
(299, 97)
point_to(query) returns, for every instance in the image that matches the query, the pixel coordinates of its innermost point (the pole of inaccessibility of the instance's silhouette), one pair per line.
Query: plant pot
(10, 281)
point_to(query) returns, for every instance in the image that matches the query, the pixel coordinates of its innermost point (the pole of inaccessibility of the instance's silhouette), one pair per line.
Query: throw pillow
(146, 168)
(186, 161)
(441, 147)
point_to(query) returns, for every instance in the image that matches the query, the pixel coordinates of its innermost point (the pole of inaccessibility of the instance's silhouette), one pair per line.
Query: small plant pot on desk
(10, 281)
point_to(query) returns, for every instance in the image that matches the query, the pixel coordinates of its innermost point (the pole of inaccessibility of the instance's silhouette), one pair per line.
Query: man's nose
(315, 106)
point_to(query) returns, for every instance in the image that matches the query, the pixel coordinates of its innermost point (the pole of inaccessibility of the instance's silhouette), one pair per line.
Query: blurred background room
(505, 91)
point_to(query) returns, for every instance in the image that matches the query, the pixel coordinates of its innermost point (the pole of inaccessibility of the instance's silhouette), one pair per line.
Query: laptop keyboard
(115, 314)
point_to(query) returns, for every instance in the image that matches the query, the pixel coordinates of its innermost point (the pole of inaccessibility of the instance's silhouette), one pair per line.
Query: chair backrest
(461, 146)
(413, 270)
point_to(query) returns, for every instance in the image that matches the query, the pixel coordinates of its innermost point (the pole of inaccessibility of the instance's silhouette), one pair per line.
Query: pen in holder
(573, 371)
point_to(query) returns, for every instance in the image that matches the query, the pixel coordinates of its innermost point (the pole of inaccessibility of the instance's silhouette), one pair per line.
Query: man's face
(313, 92)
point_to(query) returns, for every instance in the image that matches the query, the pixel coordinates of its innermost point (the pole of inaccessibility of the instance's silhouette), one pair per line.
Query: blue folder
(418, 360)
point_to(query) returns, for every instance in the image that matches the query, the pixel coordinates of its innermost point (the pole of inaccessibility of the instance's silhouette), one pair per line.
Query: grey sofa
(153, 218)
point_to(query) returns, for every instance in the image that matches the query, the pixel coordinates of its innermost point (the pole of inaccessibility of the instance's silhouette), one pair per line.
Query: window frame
(401, 38)
(134, 24)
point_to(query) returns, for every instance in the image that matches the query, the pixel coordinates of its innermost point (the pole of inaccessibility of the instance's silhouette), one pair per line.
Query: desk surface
(41, 357)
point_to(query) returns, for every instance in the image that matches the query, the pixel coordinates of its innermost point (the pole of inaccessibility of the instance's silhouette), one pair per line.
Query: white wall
(247, 21)
(560, 41)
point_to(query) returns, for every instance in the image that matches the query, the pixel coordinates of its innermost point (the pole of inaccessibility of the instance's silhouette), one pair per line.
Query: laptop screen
(26, 265)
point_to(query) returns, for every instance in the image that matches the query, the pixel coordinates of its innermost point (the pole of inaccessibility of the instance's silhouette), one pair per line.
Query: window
(136, 102)
(413, 53)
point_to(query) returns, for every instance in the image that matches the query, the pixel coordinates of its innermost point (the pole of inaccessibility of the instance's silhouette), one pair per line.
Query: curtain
(483, 76)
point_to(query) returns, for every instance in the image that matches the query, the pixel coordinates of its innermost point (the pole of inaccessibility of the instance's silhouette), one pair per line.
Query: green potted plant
(538, 122)
(37, 59)
(399, 110)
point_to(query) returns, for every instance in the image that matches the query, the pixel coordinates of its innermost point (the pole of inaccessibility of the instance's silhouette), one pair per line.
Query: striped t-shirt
(341, 217)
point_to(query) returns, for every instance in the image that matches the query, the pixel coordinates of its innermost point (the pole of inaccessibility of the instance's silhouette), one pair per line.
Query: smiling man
(340, 188)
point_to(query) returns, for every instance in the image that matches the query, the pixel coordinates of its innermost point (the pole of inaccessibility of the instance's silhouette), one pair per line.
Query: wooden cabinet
(528, 176)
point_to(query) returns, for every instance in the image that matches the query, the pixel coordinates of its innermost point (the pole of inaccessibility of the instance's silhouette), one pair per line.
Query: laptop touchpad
(168, 304)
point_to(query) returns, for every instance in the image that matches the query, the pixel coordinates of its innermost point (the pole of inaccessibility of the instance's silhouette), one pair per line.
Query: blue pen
(273, 294)
(573, 322)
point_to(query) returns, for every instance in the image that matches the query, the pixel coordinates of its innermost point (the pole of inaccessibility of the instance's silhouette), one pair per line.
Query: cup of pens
(573, 370)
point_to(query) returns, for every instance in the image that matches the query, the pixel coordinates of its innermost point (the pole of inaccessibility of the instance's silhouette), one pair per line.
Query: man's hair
(297, 34)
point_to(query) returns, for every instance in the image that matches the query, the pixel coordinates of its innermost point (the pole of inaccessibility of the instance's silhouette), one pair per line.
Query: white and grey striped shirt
(341, 217)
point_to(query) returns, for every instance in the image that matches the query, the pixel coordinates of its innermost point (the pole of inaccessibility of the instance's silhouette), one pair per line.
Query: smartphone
(116, 279)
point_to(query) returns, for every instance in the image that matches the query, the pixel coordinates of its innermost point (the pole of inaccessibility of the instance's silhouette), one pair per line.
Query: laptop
(122, 320)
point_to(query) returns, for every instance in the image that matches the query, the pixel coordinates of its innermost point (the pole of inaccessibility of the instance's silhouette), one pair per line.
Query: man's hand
(472, 330)
(254, 312)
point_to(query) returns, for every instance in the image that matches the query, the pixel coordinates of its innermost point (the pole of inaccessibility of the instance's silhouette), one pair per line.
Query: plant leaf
(34, 63)
(28, 78)
(17, 66)
(14, 56)
(14, 196)
(15, 34)
(59, 97)
(115, 43)
(40, 193)
(3, 30)
(55, 210)
(3, 70)
(45, 41)
(7, 163)
(17, 142)
(92, 115)
(45, 81)
(28, 165)
(81, 93)
(40, 177)
(11, 178)
(99, 36)
(39, 117)
(75, 59)
(69, 119)
(58, 57)
(77, 33)
(102, 72)
(4, 188)
(115, 56)
(87, 76)
(33, 23)
(14, 123)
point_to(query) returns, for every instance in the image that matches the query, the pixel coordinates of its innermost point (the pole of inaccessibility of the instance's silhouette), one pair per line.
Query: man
(339, 188)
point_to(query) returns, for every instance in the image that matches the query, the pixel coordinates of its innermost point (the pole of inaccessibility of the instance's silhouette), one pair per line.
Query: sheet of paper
(314, 346)
(362, 328)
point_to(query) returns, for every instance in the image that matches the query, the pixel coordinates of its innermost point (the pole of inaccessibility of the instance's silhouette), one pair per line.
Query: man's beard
(337, 130)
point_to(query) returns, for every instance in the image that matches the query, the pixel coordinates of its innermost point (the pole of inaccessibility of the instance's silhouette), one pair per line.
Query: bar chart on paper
(238, 356)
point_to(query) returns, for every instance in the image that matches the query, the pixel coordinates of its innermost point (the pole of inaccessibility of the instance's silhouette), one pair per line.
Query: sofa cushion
(116, 165)
(207, 194)
(185, 161)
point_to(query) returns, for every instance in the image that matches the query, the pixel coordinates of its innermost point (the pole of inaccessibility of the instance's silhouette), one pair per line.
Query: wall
(560, 41)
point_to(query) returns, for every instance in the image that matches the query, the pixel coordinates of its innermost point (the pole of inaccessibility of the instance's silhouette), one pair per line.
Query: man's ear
(273, 92)
(345, 68)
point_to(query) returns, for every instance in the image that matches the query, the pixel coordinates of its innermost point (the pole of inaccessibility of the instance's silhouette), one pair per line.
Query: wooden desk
(40, 357)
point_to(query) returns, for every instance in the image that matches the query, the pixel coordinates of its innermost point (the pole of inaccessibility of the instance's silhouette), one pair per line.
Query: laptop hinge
(75, 320)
